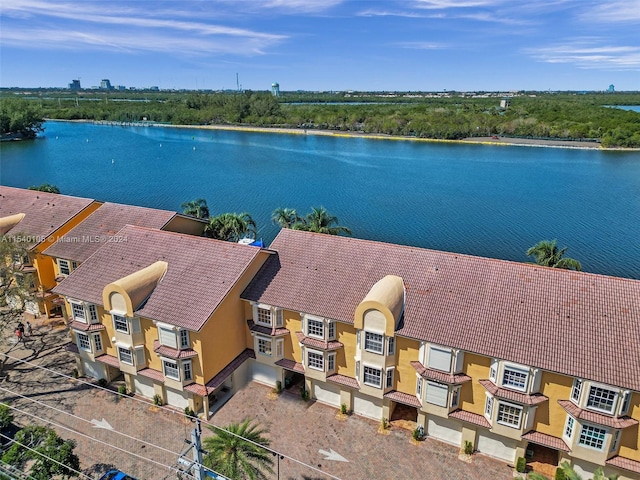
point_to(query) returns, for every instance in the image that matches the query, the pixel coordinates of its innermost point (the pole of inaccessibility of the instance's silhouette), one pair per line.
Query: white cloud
(422, 45)
(614, 12)
(585, 53)
(445, 4)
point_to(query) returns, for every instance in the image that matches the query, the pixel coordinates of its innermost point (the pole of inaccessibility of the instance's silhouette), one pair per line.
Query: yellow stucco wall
(550, 416)
(473, 394)
(345, 361)
(407, 350)
(150, 331)
(630, 440)
(293, 323)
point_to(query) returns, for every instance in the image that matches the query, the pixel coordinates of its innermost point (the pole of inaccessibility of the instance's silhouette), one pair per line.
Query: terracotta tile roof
(71, 347)
(84, 327)
(470, 417)
(219, 379)
(271, 331)
(626, 463)
(197, 389)
(344, 380)
(546, 440)
(156, 375)
(430, 374)
(44, 212)
(94, 231)
(173, 352)
(486, 306)
(597, 418)
(200, 273)
(109, 360)
(290, 365)
(523, 398)
(316, 343)
(404, 398)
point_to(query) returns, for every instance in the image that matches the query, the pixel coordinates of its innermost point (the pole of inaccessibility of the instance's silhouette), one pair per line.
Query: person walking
(18, 334)
(28, 329)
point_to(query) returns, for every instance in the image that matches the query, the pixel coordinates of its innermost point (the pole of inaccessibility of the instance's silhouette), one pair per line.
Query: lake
(493, 201)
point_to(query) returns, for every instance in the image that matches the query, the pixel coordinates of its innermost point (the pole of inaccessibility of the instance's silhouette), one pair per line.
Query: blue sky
(426, 45)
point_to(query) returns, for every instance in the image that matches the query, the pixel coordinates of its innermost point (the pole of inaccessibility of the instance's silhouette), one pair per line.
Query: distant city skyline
(409, 45)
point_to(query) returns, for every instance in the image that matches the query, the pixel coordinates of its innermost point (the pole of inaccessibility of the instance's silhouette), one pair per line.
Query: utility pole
(198, 471)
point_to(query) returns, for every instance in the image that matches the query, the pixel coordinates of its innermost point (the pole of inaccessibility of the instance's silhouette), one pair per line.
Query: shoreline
(490, 141)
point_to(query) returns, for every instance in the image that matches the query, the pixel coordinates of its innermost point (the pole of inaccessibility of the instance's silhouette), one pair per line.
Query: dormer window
(85, 313)
(601, 399)
(64, 267)
(440, 358)
(267, 316)
(167, 336)
(315, 328)
(515, 378)
(77, 310)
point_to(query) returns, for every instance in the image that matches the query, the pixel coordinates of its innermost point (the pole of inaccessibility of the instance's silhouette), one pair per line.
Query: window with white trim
(186, 370)
(372, 376)
(315, 328)
(615, 442)
(264, 346)
(439, 358)
(167, 336)
(279, 348)
(493, 371)
(97, 341)
(331, 335)
(455, 397)
(515, 378)
(331, 362)
(601, 399)
(592, 437)
(373, 342)
(74, 265)
(77, 310)
(83, 341)
(576, 389)
(93, 314)
(125, 356)
(263, 316)
(141, 358)
(279, 318)
(391, 346)
(419, 387)
(63, 266)
(120, 323)
(626, 400)
(568, 427)
(389, 382)
(315, 360)
(171, 369)
(437, 394)
(358, 370)
(184, 338)
(509, 415)
(488, 407)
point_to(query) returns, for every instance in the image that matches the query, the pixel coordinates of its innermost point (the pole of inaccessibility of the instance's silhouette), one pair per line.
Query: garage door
(367, 407)
(92, 369)
(177, 399)
(326, 394)
(496, 446)
(144, 386)
(444, 429)
(265, 374)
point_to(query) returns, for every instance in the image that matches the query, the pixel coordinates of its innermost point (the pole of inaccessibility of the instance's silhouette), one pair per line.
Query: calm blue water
(481, 200)
(633, 108)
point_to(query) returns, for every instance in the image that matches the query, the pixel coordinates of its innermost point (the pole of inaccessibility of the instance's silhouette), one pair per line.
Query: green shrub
(560, 474)
(304, 394)
(278, 387)
(157, 400)
(384, 423)
(75, 373)
(6, 415)
(468, 447)
(102, 382)
(122, 389)
(521, 465)
(418, 433)
(188, 412)
(343, 409)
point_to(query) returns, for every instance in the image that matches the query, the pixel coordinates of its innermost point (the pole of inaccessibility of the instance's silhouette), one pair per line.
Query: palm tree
(547, 254)
(231, 227)
(196, 208)
(320, 221)
(285, 217)
(570, 474)
(235, 452)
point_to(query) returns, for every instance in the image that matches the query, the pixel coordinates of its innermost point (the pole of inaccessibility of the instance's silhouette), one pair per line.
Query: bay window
(601, 399)
(170, 368)
(592, 437)
(372, 376)
(373, 342)
(315, 360)
(509, 415)
(515, 378)
(83, 341)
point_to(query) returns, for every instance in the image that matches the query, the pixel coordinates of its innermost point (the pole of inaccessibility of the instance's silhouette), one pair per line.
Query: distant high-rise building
(75, 85)
(275, 89)
(105, 84)
(611, 89)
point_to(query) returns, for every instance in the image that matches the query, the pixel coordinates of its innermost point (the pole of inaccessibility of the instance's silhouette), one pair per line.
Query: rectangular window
(79, 315)
(515, 378)
(97, 340)
(455, 397)
(440, 359)
(93, 314)
(124, 354)
(167, 337)
(389, 382)
(315, 360)
(63, 266)
(615, 441)
(279, 318)
(488, 407)
(83, 341)
(331, 362)
(437, 394)
(264, 346)
(186, 369)
(141, 358)
(575, 391)
(184, 338)
(279, 348)
(120, 323)
(358, 370)
(568, 428)
(264, 316)
(592, 437)
(601, 399)
(493, 371)
(509, 415)
(171, 370)
(391, 346)
(315, 328)
(419, 387)
(332, 330)
(372, 376)
(74, 265)
(373, 342)
(626, 399)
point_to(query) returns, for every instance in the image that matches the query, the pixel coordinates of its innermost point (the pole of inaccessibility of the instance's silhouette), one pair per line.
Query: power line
(11, 470)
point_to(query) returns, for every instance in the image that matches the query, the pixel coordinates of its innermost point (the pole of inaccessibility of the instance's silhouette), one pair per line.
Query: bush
(343, 409)
(278, 387)
(6, 416)
(521, 465)
(157, 400)
(188, 412)
(102, 382)
(75, 373)
(418, 433)
(304, 394)
(468, 447)
(560, 474)
(384, 423)
(122, 389)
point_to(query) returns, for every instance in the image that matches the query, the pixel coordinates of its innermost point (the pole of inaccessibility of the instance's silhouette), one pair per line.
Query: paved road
(146, 443)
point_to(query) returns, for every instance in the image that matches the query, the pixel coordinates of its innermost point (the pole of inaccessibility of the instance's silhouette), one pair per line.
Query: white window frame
(279, 348)
(372, 343)
(92, 308)
(279, 314)
(389, 374)
(569, 427)
(167, 370)
(126, 321)
(331, 362)
(503, 414)
(488, 407)
(78, 307)
(615, 440)
(126, 351)
(83, 341)
(576, 390)
(391, 345)
(317, 331)
(357, 372)
(586, 437)
(167, 336)
(97, 342)
(265, 346)
(315, 360)
(261, 315)
(455, 397)
(419, 387)
(141, 357)
(493, 370)
(187, 370)
(67, 267)
(331, 330)
(371, 373)
(515, 372)
(625, 403)
(438, 388)
(184, 338)
(433, 351)
(602, 388)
